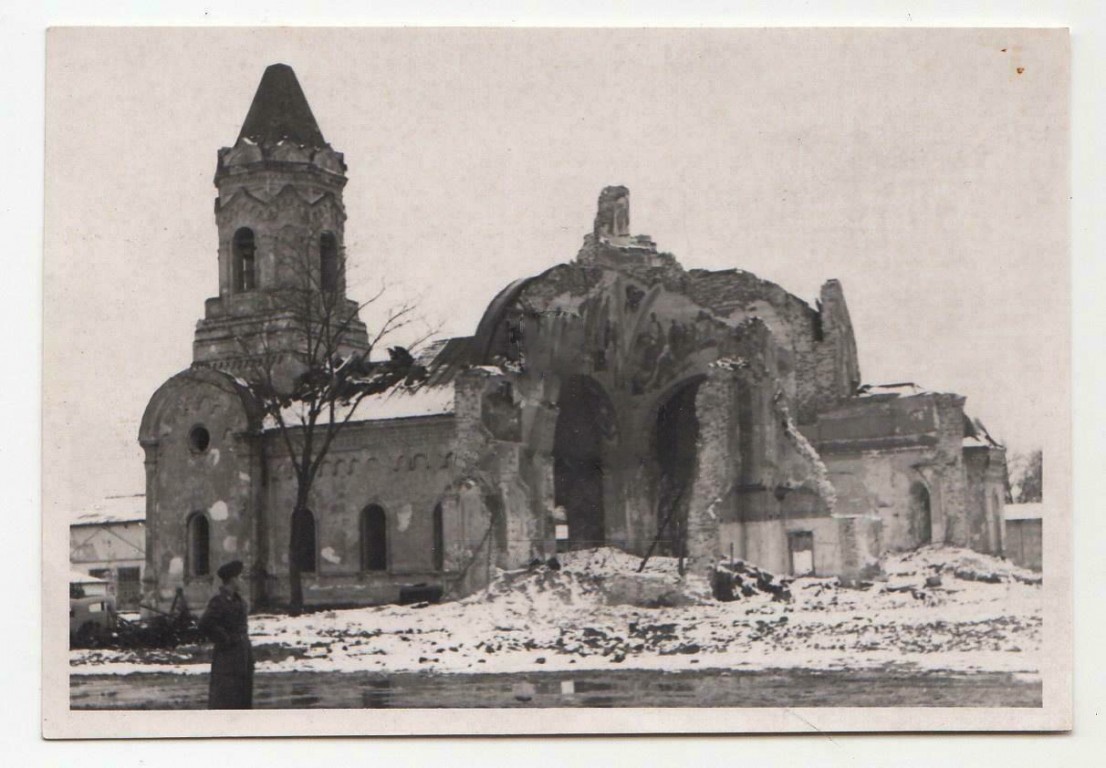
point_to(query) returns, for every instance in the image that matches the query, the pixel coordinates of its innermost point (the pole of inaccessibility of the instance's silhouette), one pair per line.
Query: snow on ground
(977, 613)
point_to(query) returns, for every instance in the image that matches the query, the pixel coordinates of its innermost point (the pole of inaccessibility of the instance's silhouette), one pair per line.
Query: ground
(978, 615)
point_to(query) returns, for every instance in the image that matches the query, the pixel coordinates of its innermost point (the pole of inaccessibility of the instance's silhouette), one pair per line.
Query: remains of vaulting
(658, 408)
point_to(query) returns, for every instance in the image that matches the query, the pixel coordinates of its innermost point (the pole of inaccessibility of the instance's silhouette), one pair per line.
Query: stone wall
(403, 466)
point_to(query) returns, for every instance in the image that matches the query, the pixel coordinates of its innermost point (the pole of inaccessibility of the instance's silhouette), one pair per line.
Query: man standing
(224, 622)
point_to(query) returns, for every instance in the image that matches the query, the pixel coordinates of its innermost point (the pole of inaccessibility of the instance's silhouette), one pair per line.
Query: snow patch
(113, 509)
(213, 457)
(403, 518)
(218, 510)
(330, 555)
(230, 544)
(176, 566)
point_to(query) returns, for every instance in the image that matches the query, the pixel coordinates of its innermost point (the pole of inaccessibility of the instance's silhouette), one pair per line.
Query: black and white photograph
(556, 380)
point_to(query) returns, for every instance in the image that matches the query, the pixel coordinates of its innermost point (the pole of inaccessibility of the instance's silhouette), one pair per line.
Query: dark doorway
(129, 588)
(585, 420)
(303, 540)
(676, 439)
(921, 519)
(374, 539)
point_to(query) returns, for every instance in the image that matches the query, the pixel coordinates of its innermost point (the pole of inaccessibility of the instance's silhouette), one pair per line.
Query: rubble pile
(964, 564)
(601, 576)
(735, 580)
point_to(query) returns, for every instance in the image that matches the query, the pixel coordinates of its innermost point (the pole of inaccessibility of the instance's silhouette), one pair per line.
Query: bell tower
(281, 221)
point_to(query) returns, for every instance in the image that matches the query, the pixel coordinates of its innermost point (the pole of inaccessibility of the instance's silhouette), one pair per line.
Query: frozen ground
(983, 616)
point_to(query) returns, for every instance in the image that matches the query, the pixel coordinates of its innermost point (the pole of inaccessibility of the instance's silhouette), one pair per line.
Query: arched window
(328, 261)
(439, 538)
(374, 539)
(199, 545)
(245, 264)
(303, 538)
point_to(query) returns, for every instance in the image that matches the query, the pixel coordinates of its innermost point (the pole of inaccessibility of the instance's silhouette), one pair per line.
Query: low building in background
(108, 541)
(1023, 534)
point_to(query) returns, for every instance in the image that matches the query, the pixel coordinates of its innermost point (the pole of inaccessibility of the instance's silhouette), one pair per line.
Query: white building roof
(113, 509)
(76, 577)
(1030, 511)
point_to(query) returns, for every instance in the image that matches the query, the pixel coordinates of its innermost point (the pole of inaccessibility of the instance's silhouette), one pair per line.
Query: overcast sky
(925, 170)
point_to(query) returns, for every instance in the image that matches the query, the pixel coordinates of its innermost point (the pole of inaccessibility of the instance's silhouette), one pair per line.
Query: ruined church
(616, 399)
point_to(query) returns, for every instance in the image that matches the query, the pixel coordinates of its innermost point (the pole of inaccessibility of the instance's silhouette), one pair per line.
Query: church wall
(405, 466)
(879, 483)
(768, 544)
(215, 483)
(985, 471)
(881, 451)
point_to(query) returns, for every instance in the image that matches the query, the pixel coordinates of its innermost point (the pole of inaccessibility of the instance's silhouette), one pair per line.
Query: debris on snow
(981, 614)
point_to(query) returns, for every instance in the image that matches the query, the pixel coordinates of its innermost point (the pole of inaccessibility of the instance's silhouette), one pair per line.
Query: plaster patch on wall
(213, 455)
(176, 566)
(403, 518)
(244, 477)
(230, 544)
(218, 510)
(330, 555)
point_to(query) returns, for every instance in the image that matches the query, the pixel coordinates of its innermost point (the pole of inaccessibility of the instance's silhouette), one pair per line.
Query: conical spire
(280, 111)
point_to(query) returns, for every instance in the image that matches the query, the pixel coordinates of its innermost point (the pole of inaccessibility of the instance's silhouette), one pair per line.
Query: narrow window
(328, 261)
(245, 266)
(439, 538)
(801, 547)
(199, 545)
(374, 539)
(303, 540)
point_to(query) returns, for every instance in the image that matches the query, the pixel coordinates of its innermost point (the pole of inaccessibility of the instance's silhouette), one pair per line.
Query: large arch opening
(675, 439)
(585, 420)
(921, 516)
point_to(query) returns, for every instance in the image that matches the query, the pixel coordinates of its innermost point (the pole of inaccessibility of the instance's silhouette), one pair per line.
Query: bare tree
(311, 368)
(1032, 479)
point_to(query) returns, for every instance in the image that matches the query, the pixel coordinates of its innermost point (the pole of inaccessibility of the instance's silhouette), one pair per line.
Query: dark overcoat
(224, 622)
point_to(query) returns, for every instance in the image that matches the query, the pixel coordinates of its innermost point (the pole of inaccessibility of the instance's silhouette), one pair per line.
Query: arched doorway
(585, 420)
(921, 518)
(675, 441)
(374, 539)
